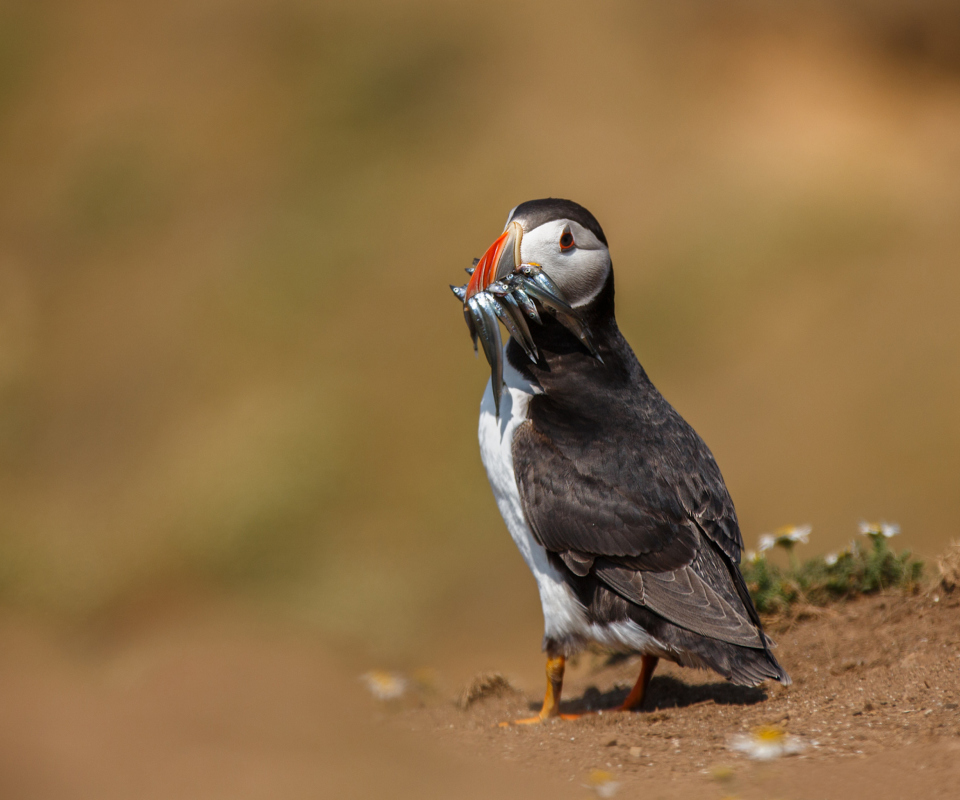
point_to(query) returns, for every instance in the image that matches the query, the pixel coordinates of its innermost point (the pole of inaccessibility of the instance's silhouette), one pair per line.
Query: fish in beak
(504, 289)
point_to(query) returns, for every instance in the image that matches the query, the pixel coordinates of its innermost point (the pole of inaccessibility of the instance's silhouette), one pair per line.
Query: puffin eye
(566, 240)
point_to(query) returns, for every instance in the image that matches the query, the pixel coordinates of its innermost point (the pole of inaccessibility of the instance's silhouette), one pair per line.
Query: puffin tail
(752, 667)
(744, 666)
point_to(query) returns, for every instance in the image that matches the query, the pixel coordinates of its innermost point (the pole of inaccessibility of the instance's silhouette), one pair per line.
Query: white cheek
(582, 276)
(579, 273)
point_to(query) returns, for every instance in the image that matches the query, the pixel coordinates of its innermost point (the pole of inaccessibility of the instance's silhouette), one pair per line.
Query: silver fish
(547, 299)
(528, 306)
(512, 318)
(482, 307)
(510, 300)
(461, 292)
(537, 285)
(540, 277)
(514, 282)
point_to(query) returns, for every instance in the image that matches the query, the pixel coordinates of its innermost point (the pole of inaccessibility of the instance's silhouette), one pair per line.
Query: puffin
(616, 504)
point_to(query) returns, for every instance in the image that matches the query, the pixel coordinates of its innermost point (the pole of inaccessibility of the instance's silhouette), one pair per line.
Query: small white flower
(835, 558)
(602, 783)
(877, 529)
(786, 537)
(384, 685)
(752, 556)
(797, 533)
(766, 743)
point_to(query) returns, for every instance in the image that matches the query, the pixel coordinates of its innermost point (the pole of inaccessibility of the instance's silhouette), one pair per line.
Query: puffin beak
(501, 258)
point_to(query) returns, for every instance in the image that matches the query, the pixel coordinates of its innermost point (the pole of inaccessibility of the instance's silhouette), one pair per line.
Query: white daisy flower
(835, 558)
(751, 556)
(602, 783)
(786, 537)
(384, 685)
(797, 533)
(878, 529)
(766, 743)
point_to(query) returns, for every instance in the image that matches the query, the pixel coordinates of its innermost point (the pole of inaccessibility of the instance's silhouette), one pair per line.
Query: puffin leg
(635, 699)
(551, 700)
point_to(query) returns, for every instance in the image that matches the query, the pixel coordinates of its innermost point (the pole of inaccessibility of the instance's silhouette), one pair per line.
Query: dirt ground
(874, 702)
(216, 702)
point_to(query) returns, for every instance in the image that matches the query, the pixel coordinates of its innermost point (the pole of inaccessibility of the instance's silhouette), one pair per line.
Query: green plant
(863, 568)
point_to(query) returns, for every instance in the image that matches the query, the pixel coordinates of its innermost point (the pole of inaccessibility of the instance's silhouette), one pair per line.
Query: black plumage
(535, 212)
(626, 497)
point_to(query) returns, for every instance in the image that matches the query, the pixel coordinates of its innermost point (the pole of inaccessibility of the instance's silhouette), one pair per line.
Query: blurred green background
(229, 359)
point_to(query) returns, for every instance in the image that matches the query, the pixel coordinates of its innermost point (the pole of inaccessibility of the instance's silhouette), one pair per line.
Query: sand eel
(616, 504)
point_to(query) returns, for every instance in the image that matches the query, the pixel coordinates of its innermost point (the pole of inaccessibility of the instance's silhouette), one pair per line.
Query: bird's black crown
(534, 213)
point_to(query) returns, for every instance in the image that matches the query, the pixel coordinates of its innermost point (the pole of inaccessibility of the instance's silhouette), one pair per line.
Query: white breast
(563, 614)
(564, 617)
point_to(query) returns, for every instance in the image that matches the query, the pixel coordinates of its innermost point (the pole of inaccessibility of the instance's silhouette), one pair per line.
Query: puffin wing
(579, 509)
(658, 534)
(686, 599)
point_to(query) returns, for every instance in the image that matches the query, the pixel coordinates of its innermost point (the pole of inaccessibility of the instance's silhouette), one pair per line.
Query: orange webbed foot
(551, 701)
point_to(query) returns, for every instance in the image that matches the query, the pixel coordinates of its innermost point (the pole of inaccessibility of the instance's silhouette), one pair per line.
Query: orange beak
(501, 258)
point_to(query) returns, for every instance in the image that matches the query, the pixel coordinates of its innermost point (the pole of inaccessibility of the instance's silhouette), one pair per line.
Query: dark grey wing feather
(569, 511)
(704, 497)
(667, 545)
(708, 606)
(577, 563)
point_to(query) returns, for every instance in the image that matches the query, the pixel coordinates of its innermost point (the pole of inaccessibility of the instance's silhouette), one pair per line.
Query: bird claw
(511, 300)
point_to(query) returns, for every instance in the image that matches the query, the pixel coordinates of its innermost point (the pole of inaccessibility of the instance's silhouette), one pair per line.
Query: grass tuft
(864, 568)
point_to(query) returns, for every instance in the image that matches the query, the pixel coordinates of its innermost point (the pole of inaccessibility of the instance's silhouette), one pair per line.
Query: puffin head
(561, 237)
(551, 258)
